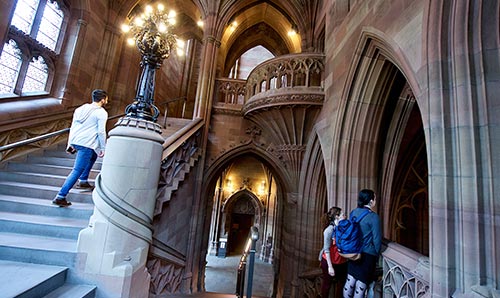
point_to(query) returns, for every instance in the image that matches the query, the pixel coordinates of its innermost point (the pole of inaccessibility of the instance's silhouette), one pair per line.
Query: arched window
(32, 47)
(10, 63)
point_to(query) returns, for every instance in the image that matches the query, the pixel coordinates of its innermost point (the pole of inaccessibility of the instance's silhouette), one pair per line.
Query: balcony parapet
(288, 79)
(295, 79)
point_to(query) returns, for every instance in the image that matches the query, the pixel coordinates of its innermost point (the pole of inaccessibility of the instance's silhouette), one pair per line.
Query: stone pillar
(113, 250)
(204, 92)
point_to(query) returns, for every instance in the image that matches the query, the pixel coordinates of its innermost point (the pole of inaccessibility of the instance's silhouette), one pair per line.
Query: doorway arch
(241, 211)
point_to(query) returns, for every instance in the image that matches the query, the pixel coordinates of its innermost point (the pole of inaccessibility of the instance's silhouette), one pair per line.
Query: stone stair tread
(44, 220)
(41, 164)
(71, 291)
(49, 166)
(17, 277)
(43, 202)
(46, 158)
(37, 174)
(37, 242)
(38, 186)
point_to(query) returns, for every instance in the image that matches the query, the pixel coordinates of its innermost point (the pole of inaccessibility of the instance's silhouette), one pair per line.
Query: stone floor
(221, 274)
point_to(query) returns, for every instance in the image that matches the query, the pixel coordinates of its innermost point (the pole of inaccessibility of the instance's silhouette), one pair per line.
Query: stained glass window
(10, 62)
(41, 21)
(50, 25)
(36, 76)
(24, 15)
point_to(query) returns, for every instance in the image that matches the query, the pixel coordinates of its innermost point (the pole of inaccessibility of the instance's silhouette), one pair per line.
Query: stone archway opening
(241, 220)
(245, 194)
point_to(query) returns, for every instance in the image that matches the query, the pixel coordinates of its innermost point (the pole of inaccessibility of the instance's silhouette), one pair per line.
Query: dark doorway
(240, 229)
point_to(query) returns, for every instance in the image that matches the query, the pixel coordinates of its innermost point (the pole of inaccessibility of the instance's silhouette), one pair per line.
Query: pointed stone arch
(377, 102)
(245, 203)
(282, 180)
(256, 202)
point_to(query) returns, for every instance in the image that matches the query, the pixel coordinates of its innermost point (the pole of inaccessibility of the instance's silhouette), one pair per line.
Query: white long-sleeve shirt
(88, 128)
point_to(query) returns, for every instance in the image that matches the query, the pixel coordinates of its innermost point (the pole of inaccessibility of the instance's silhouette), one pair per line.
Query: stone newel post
(113, 250)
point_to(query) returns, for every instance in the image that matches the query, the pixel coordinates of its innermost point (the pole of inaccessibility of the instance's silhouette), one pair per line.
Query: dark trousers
(328, 280)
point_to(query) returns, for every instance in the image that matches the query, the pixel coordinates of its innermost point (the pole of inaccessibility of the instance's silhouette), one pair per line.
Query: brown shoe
(84, 185)
(61, 202)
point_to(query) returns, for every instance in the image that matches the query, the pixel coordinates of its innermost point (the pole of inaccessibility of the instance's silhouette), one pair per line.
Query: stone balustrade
(285, 72)
(406, 272)
(288, 79)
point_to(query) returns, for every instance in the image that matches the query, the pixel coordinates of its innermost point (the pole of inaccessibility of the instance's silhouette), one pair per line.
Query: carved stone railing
(288, 71)
(286, 79)
(179, 153)
(230, 91)
(406, 273)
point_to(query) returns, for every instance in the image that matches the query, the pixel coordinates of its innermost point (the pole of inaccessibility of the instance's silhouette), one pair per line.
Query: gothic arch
(210, 180)
(377, 100)
(258, 206)
(260, 153)
(312, 203)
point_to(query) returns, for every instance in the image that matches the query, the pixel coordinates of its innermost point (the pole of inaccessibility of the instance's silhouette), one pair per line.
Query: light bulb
(162, 27)
(139, 22)
(181, 43)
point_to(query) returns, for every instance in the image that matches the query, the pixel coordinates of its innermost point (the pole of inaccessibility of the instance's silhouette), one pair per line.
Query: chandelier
(152, 34)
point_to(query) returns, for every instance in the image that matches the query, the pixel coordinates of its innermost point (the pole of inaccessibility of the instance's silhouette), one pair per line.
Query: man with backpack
(360, 271)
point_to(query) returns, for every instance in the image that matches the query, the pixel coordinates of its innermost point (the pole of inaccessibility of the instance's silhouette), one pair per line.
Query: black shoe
(84, 185)
(61, 202)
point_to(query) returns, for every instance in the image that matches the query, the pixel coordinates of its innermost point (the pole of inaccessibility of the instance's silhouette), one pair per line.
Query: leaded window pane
(10, 62)
(24, 14)
(50, 26)
(36, 76)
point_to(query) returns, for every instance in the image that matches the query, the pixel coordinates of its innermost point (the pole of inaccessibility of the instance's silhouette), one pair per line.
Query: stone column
(113, 250)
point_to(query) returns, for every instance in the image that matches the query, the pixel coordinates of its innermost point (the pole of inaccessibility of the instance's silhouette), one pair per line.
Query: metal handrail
(43, 137)
(166, 108)
(249, 252)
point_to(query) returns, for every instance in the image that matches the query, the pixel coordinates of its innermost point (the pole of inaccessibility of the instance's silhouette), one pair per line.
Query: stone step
(56, 153)
(37, 249)
(58, 161)
(33, 224)
(34, 178)
(44, 207)
(73, 291)
(26, 280)
(36, 234)
(44, 169)
(45, 192)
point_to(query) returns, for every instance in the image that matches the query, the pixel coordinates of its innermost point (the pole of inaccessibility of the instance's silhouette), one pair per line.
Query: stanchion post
(254, 236)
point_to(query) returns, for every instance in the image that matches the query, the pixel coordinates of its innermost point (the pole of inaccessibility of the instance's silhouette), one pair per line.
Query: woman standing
(333, 266)
(360, 272)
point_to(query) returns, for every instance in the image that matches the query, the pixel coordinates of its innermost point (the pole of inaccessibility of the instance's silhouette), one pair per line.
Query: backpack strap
(363, 215)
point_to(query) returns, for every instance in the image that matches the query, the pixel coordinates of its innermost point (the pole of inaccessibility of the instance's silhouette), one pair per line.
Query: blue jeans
(85, 159)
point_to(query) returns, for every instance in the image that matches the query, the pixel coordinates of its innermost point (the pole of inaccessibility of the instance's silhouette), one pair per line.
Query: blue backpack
(349, 238)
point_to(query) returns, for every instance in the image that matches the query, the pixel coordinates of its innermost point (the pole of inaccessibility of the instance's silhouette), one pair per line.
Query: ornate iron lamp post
(152, 34)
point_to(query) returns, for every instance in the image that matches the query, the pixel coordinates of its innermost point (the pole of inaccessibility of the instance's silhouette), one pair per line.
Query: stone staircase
(37, 239)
